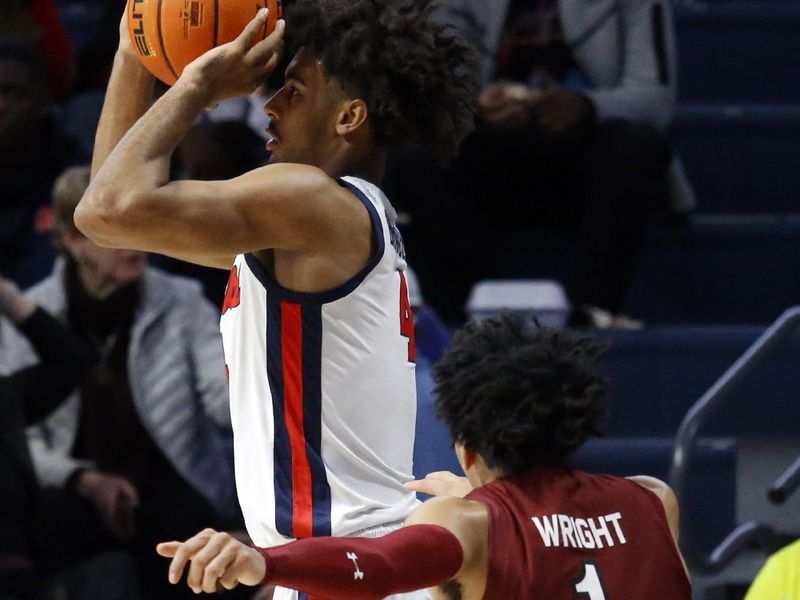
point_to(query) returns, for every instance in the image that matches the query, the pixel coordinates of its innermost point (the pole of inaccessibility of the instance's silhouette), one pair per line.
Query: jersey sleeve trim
(282, 293)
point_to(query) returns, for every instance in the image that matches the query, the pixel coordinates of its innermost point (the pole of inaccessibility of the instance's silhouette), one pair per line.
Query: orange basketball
(169, 34)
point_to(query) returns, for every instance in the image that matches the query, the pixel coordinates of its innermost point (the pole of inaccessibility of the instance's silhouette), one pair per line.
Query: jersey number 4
(406, 317)
(589, 585)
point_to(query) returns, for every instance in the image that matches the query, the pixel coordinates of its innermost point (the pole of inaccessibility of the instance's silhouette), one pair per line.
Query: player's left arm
(131, 202)
(441, 540)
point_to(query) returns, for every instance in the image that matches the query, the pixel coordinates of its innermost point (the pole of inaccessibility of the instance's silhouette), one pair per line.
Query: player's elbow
(102, 215)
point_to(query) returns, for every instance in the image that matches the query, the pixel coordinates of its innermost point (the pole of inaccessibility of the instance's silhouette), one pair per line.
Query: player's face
(107, 268)
(302, 113)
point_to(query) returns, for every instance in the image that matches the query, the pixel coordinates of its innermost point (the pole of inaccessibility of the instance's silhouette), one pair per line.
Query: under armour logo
(358, 573)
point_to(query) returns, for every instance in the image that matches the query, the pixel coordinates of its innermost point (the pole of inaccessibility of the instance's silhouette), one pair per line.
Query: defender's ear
(466, 458)
(352, 116)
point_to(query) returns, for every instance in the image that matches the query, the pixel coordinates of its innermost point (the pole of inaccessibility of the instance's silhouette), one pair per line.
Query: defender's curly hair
(417, 76)
(518, 394)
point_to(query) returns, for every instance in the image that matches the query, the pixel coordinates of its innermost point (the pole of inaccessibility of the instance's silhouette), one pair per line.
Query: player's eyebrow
(293, 75)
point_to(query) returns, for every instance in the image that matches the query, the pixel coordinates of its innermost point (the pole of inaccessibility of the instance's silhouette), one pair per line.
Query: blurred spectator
(780, 577)
(32, 153)
(38, 22)
(143, 451)
(97, 54)
(569, 135)
(27, 396)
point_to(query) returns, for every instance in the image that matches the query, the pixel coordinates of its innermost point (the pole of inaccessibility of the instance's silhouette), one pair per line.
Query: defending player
(517, 401)
(317, 329)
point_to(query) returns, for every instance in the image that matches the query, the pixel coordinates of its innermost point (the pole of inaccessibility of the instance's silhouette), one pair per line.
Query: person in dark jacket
(27, 396)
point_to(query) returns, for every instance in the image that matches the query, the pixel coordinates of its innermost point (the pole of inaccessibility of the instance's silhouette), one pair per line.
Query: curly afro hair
(519, 395)
(417, 76)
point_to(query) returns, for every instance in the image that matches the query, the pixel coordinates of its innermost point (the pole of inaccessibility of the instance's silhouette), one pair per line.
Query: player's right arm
(128, 96)
(296, 209)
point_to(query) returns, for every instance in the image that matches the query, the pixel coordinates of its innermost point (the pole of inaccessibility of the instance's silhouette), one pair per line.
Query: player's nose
(271, 106)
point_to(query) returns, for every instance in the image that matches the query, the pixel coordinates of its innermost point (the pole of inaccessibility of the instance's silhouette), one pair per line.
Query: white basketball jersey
(323, 396)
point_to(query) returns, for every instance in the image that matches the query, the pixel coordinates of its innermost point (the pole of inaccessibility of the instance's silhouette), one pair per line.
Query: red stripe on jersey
(292, 350)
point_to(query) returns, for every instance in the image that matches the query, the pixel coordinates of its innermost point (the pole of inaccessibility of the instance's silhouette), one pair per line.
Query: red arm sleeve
(411, 558)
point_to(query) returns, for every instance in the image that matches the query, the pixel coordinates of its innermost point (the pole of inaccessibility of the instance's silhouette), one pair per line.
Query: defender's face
(302, 113)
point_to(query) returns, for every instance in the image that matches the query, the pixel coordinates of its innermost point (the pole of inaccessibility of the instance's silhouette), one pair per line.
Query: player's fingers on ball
(203, 558)
(248, 35)
(274, 59)
(263, 50)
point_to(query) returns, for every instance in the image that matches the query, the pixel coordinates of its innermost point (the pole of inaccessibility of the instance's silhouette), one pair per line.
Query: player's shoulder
(665, 495)
(652, 484)
(299, 180)
(311, 194)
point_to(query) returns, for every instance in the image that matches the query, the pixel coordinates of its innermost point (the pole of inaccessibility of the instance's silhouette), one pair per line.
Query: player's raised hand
(441, 483)
(239, 67)
(214, 558)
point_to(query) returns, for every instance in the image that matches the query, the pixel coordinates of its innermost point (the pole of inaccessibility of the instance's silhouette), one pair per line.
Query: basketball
(169, 34)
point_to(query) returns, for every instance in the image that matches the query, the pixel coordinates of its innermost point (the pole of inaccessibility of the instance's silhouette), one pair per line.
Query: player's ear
(352, 115)
(466, 458)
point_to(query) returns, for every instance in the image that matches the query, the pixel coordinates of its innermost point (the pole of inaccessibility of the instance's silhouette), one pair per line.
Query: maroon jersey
(556, 534)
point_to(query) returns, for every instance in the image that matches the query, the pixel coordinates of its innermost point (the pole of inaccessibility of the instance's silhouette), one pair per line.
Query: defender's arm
(443, 539)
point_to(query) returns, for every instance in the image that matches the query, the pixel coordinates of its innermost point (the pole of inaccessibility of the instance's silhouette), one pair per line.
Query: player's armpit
(408, 559)
(285, 206)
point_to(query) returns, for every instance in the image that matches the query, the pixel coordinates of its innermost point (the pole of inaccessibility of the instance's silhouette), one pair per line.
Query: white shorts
(372, 532)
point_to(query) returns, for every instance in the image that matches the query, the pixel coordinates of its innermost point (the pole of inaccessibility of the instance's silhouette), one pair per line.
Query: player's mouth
(272, 138)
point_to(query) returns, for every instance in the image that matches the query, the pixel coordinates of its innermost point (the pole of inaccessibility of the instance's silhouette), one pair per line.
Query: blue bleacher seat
(741, 158)
(655, 375)
(713, 270)
(738, 51)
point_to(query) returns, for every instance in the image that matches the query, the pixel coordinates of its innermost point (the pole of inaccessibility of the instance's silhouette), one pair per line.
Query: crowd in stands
(114, 424)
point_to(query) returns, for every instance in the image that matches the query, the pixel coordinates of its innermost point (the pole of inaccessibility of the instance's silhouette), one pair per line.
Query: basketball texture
(169, 34)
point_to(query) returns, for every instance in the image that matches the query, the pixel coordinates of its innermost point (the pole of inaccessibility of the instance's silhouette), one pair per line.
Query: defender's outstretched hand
(216, 558)
(441, 483)
(239, 67)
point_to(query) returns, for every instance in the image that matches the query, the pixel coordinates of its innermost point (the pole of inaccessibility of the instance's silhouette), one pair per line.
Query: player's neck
(479, 473)
(367, 163)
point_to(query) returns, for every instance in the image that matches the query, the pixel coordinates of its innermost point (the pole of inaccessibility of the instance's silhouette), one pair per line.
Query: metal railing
(752, 532)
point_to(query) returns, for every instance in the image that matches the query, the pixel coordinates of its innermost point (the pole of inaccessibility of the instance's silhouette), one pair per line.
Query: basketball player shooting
(317, 329)
(517, 401)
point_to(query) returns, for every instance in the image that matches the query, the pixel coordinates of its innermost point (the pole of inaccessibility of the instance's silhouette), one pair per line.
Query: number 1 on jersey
(590, 586)
(406, 317)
